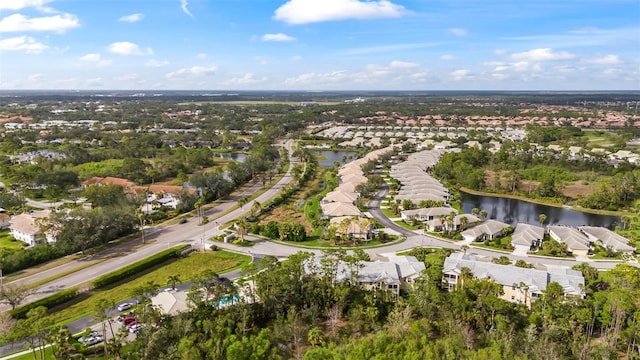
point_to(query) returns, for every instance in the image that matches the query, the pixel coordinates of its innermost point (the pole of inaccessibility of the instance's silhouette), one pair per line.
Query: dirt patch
(286, 214)
(578, 189)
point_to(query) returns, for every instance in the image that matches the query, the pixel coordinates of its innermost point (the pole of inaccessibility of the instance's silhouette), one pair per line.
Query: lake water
(239, 157)
(513, 211)
(332, 156)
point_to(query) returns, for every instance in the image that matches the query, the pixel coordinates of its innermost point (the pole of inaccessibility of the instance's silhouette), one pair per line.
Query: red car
(128, 321)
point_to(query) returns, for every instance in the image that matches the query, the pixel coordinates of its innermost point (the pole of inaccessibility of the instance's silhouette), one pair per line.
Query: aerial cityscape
(298, 179)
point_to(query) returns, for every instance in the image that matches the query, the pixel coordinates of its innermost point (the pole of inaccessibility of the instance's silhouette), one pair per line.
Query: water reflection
(513, 211)
(329, 157)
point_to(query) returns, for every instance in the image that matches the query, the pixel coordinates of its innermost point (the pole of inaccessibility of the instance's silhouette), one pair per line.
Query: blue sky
(320, 44)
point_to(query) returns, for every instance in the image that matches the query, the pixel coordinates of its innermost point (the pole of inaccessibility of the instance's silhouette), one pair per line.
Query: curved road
(165, 237)
(159, 238)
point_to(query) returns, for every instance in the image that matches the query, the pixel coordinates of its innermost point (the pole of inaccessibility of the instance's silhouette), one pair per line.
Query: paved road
(415, 239)
(161, 238)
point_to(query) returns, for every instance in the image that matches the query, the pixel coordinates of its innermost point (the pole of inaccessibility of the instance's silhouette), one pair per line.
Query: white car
(125, 306)
(92, 340)
(135, 328)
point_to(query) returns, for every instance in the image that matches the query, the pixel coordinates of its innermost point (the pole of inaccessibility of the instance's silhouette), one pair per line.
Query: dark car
(182, 221)
(128, 321)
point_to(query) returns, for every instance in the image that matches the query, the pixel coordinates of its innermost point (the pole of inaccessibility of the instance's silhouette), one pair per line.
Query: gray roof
(572, 281)
(488, 227)
(608, 237)
(526, 234)
(434, 211)
(574, 239)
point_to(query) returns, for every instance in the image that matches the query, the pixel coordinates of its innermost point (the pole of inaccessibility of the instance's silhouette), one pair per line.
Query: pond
(331, 156)
(239, 157)
(513, 211)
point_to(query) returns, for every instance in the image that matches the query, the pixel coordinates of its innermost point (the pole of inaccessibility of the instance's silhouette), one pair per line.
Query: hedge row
(130, 270)
(48, 302)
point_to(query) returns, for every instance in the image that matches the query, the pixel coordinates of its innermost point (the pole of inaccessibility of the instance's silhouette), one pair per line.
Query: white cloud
(277, 37)
(36, 77)
(21, 23)
(447, 57)
(131, 18)
(296, 58)
(247, 79)
(402, 65)
(542, 54)
(607, 60)
(183, 6)
(21, 4)
(462, 74)
(458, 31)
(314, 78)
(22, 43)
(499, 51)
(309, 11)
(95, 59)
(128, 48)
(192, 72)
(201, 56)
(156, 63)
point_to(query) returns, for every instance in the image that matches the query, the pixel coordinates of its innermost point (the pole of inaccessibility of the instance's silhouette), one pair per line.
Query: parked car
(82, 339)
(91, 340)
(182, 221)
(128, 321)
(135, 328)
(125, 306)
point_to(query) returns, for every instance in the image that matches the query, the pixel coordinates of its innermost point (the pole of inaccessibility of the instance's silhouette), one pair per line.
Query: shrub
(48, 302)
(139, 266)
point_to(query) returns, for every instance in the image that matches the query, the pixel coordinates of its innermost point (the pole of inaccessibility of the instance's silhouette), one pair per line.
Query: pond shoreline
(545, 203)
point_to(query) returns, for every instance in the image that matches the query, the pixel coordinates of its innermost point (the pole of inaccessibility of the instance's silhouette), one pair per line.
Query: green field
(188, 268)
(8, 242)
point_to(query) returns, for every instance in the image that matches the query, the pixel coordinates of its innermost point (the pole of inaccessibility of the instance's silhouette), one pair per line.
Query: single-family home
(334, 209)
(607, 238)
(425, 214)
(519, 285)
(526, 236)
(488, 229)
(576, 242)
(26, 227)
(352, 226)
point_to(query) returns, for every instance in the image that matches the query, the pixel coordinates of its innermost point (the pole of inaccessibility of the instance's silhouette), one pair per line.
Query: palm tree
(626, 220)
(464, 221)
(241, 229)
(173, 280)
(256, 208)
(443, 221)
(483, 214)
(475, 211)
(542, 218)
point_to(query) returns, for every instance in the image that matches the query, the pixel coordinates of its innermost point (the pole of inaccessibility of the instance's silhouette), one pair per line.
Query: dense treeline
(303, 312)
(520, 169)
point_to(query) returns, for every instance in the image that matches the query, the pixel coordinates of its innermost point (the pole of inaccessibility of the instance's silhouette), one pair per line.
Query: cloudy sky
(320, 44)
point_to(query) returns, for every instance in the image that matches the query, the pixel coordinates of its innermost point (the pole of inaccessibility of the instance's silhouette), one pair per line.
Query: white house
(25, 227)
(520, 285)
(525, 236)
(576, 242)
(607, 238)
(488, 229)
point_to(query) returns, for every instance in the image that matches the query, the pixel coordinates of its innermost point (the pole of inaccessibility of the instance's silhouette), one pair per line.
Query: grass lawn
(388, 213)
(409, 226)
(188, 268)
(8, 242)
(496, 248)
